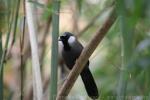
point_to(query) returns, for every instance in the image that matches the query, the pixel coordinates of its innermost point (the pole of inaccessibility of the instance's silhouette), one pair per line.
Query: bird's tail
(89, 83)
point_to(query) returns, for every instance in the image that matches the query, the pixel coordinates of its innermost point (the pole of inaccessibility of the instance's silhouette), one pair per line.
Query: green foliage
(47, 8)
(3, 14)
(79, 4)
(108, 70)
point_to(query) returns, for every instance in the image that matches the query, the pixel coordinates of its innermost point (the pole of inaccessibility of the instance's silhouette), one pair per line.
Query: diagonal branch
(86, 53)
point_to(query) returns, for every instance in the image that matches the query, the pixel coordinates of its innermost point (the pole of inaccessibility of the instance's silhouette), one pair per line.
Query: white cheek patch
(60, 45)
(60, 48)
(71, 39)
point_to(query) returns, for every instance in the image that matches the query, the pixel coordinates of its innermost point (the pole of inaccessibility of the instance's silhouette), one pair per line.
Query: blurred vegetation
(130, 34)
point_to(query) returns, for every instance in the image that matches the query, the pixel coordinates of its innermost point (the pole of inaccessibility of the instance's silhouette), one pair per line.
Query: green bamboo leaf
(48, 9)
(79, 4)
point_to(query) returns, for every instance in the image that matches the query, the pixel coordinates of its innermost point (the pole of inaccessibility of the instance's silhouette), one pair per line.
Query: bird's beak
(61, 38)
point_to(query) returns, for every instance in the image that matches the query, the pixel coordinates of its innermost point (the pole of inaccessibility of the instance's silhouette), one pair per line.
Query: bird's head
(67, 39)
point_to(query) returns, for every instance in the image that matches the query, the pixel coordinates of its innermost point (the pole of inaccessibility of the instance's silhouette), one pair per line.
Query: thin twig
(86, 53)
(42, 42)
(21, 54)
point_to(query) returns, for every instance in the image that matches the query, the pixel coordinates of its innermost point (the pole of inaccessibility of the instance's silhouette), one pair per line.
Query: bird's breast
(70, 58)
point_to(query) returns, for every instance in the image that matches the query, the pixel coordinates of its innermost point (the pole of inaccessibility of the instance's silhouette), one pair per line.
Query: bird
(69, 50)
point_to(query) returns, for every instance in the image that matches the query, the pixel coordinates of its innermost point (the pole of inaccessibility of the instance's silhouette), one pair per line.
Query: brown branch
(86, 53)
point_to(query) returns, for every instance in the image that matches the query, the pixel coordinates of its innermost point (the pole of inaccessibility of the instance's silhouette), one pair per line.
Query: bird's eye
(64, 35)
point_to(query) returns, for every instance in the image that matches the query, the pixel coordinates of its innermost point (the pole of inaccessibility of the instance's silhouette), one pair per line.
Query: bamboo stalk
(54, 53)
(86, 53)
(1, 53)
(126, 50)
(37, 82)
(21, 59)
(21, 55)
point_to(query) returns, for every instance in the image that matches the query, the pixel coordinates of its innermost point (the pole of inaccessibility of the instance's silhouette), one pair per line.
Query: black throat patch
(66, 45)
(64, 39)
